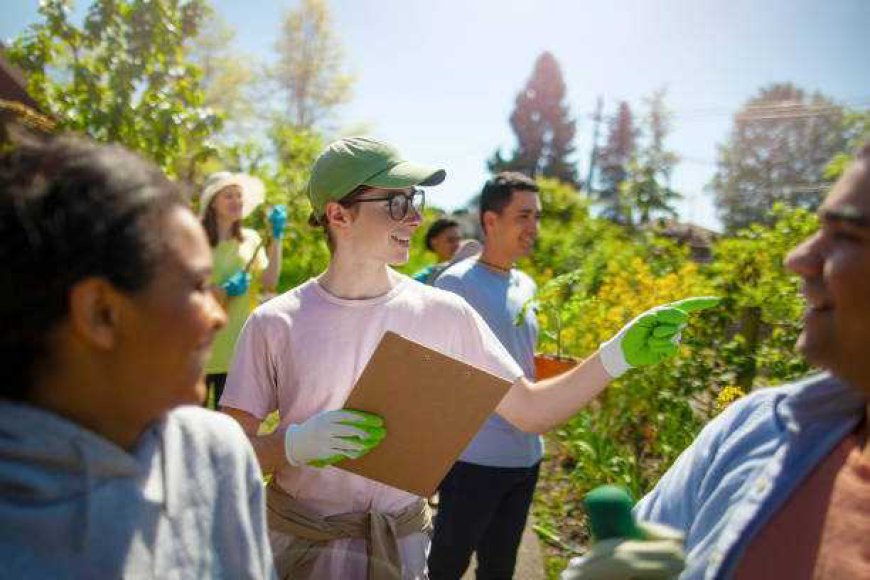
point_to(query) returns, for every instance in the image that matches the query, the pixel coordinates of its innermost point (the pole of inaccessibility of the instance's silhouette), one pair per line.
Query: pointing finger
(696, 303)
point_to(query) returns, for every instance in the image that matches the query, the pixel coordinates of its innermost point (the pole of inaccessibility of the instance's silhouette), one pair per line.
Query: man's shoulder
(523, 276)
(433, 296)
(762, 412)
(203, 429)
(459, 270)
(459, 277)
(524, 280)
(800, 393)
(205, 421)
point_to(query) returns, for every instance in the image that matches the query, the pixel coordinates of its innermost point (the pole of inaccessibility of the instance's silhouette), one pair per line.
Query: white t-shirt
(302, 352)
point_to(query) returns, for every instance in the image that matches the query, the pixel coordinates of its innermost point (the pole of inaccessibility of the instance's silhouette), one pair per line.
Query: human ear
(489, 219)
(337, 215)
(94, 312)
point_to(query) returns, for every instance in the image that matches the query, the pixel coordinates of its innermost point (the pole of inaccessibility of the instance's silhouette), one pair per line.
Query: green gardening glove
(332, 436)
(657, 555)
(651, 337)
(372, 425)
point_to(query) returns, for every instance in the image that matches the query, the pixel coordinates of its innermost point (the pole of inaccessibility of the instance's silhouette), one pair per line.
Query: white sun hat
(253, 191)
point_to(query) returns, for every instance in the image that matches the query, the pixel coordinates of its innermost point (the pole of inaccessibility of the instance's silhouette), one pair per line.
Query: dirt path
(530, 561)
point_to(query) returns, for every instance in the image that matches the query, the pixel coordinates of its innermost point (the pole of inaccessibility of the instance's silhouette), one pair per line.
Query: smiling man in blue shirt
(778, 486)
(485, 498)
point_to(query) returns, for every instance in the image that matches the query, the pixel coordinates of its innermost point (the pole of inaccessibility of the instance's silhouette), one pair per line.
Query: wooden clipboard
(432, 405)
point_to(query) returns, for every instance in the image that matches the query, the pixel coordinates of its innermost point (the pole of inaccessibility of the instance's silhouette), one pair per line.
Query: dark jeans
(481, 509)
(215, 383)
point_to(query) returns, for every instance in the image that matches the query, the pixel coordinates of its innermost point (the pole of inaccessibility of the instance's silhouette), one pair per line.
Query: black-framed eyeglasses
(399, 202)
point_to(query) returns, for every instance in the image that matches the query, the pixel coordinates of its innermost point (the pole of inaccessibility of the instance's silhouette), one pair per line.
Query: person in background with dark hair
(106, 318)
(485, 498)
(241, 266)
(778, 485)
(443, 239)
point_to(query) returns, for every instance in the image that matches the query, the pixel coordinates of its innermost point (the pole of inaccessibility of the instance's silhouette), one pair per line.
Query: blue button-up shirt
(745, 464)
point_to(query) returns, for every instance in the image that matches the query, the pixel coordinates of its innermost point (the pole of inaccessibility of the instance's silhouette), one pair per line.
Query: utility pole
(593, 156)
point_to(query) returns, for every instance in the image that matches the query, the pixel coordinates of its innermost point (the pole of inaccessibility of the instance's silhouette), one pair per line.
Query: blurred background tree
(780, 144)
(232, 82)
(310, 73)
(163, 77)
(124, 76)
(543, 126)
(646, 190)
(614, 160)
(857, 133)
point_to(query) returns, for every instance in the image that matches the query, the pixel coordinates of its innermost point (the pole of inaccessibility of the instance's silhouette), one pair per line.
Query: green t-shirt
(229, 257)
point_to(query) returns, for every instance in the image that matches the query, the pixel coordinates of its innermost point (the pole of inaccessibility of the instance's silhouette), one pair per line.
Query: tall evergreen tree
(543, 127)
(614, 161)
(780, 144)
(648, 190)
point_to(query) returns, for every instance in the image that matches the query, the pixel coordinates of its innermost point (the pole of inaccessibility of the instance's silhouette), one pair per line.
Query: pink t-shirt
(302, 352)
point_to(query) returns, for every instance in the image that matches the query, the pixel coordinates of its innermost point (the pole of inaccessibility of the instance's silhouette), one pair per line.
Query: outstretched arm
(647, 340)
(538, 407)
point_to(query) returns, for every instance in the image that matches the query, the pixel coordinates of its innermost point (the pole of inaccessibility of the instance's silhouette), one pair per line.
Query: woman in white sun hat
(241, 266)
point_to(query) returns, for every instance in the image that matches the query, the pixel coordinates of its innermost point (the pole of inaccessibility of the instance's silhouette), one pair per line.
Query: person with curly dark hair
(108, 469)
(443, 239)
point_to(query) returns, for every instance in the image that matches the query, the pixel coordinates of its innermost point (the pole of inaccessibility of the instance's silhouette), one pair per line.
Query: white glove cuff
(289, 435)
(611, 356)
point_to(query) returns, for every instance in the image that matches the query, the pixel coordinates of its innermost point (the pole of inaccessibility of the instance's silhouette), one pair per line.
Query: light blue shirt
(745, 464)
(186, 502)
(501, 299)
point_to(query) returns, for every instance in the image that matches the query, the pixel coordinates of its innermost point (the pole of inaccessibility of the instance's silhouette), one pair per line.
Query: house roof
(16, 105)
(13, 85)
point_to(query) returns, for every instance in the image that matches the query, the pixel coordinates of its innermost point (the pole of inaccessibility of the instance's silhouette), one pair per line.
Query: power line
(762, 111)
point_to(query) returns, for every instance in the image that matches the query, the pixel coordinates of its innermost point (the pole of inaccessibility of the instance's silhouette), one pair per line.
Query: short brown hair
(499, 191)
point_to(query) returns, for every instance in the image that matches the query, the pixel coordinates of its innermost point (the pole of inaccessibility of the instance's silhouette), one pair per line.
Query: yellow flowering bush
(633, 432)
(727, 396)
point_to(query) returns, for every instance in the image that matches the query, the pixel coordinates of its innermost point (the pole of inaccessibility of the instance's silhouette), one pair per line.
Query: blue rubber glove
(237, 284)
(278, 219)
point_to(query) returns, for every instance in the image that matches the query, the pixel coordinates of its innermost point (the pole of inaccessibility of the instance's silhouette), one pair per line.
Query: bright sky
(438, 79)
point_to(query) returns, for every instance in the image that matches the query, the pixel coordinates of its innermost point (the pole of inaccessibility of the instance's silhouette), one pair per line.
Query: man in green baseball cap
(302, 352)
(352, 162)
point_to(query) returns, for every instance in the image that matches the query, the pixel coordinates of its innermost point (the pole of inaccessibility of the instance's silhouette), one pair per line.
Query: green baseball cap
(353, 161)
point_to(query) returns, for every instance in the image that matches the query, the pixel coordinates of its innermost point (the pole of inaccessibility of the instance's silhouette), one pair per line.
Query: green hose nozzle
(609, 511)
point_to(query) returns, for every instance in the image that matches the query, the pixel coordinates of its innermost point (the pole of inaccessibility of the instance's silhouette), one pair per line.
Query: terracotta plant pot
(548, 365)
